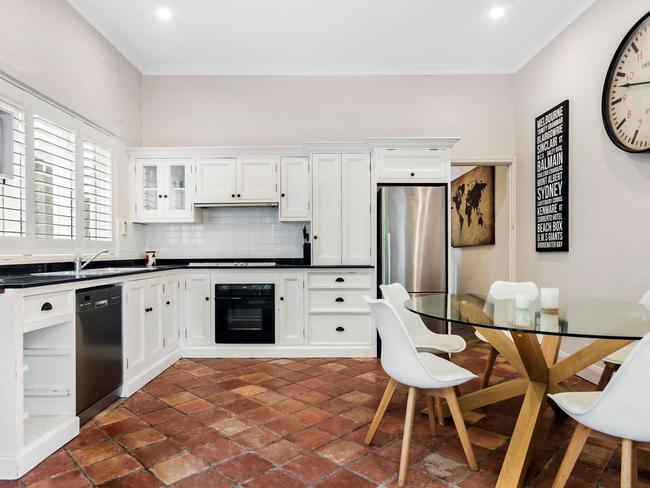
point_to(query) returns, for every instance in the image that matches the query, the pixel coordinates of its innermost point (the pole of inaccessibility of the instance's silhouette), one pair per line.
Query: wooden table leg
(513, 471)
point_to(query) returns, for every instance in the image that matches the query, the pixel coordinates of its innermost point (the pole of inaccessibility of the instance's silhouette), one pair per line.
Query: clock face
(626, 97)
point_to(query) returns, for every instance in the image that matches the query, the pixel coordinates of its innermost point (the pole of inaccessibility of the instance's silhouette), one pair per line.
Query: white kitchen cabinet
(295, 185)
(233, 180)
(257, 179)
(154, 320)
(356, 199)
(326, 219)
(163, 191)
(216, 180)
(341, 220)
(198, 306)
(135, 326)
(291, 310)
(412, 165)
(171, 313)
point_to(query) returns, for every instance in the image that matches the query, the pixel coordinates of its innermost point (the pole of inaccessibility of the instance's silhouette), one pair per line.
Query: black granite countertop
(23, 276)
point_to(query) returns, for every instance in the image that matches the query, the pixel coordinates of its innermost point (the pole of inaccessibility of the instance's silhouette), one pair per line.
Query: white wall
(284, 110)
(476, 268)
(609, 189)
(47, 45)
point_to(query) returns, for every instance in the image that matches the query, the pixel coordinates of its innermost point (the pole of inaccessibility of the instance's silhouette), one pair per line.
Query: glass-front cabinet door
(149, 190)
(177, 188)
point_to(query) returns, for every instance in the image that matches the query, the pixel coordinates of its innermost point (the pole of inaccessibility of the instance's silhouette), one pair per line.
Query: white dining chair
(422, 337)
(421, 372)
(614, 361)
(620, 410)
(504, 290)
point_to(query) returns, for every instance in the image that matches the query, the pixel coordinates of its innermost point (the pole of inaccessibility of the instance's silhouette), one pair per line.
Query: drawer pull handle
(339, 300)
(340, 280)
(46, 307)
(340, 329)
(148, 309)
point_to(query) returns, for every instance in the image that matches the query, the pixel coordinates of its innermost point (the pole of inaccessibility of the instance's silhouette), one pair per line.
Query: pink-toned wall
(609, 189)
(278, 110)
(49, 46)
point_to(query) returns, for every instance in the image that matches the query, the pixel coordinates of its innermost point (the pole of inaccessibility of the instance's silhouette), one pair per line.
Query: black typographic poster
(552, 179)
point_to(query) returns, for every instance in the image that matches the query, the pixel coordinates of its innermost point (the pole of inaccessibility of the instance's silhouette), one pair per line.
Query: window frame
(31, 248)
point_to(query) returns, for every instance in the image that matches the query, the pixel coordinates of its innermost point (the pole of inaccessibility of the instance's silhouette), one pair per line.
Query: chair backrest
(399, 358)
(396, 295)
(503, 290)
(622, 408)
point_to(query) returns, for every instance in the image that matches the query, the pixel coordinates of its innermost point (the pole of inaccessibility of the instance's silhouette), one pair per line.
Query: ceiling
(329, 37)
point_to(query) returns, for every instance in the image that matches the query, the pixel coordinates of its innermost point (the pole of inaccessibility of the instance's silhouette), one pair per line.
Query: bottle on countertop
(150, 258)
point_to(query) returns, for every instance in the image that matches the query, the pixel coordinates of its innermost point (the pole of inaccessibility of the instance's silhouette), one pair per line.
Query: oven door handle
(229, 298)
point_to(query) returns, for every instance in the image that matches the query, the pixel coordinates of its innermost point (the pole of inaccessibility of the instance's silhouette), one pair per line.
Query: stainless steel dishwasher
(98, 348)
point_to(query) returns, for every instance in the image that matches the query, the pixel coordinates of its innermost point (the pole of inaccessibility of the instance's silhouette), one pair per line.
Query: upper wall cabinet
(341, 221)
(236, 180)
(295, 184)
(412, 165)
(163, 191)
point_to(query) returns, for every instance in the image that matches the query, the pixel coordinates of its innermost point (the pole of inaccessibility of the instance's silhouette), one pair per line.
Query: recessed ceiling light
(164, 14)
(497, 13)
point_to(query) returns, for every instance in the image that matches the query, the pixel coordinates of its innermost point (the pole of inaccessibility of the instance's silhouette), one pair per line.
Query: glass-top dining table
(531, 344)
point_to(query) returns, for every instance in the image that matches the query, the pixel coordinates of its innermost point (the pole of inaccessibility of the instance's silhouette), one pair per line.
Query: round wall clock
(626, 96)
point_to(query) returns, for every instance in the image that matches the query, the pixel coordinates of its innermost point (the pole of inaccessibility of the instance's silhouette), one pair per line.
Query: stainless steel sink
(95, 272)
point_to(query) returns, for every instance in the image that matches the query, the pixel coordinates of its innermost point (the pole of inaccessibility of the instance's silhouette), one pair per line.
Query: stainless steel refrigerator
(412, 239)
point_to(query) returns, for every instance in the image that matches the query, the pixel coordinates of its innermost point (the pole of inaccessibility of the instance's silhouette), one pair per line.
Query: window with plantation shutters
(98, 199)
(54, 180)
(12, 191)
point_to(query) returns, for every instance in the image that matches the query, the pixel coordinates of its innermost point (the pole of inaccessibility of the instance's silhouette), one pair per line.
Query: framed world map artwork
(472, 208)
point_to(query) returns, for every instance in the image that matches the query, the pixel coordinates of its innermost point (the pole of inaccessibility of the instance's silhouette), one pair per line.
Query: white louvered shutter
(12, 191)
(98, 198)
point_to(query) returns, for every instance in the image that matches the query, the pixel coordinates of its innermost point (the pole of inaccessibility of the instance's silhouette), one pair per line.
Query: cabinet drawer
(413, 165)
(339, 280)
(340, 329)
(333, 300)
(47, 306)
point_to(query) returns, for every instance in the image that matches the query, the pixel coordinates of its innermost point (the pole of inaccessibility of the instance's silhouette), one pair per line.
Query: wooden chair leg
(439, 414)
(580, 436)
(628, 465)
(432, 415)
(487, 373)
(406, 440)
(381, 409)
(457, 415)
(608, 372)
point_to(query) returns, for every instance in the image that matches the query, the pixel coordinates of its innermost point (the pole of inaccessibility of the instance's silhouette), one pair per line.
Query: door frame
(511, 164)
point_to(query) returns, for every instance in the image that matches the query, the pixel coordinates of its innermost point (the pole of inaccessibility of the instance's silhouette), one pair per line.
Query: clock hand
(627, 85)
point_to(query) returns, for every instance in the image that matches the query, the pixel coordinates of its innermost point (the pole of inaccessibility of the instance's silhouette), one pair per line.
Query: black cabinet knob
(46, 307)
(207, 299)
(282, 195)
(238, 195)
(315, 237)
(164, 196)
(340, 280)
(339, 300)
(168, 302)
(233, 195)
(412, 174)
(281, 299)
(340, 329)
(159, 196)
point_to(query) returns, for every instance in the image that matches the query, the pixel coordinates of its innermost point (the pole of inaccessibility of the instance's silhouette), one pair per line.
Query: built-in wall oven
(244, 313)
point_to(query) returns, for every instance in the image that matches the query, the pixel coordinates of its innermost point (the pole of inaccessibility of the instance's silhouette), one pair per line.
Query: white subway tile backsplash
(229, 233)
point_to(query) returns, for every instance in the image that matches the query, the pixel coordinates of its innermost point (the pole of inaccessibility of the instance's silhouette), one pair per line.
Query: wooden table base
(541, 374)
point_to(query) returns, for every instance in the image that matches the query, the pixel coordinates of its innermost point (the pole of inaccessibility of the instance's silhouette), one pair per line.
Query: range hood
(236, 204)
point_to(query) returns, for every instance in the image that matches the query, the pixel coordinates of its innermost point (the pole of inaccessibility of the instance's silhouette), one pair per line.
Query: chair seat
(621, 355)
(446, 373)
(440, 342)
(575, 403)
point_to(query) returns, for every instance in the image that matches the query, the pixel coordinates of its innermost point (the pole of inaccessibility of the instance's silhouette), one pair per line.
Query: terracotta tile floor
(295, 423)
